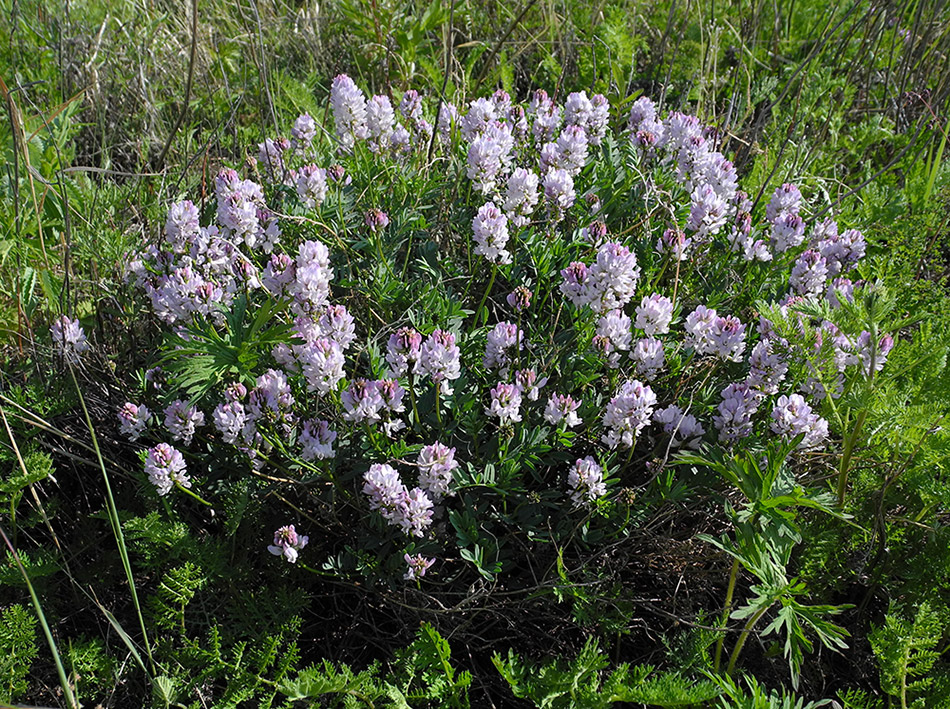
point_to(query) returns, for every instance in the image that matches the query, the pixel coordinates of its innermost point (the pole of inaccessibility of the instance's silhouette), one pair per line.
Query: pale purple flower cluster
(165, 466)
(376, 220)
(380, 123)
(489, 155)
(586, 481)
(654, 314)
(403, 349)
(505, 336)
(767, 369)
(809, 274)
(840, 251)
(627, 414)
(546, 116)
(411, 511)
(436, 466)
(378, 401)
(182, 418)
(609, 283)
(792, 416)
(133, 420)
(439, 359)
(683, 428)
(650, 357)
(69, 338)
(349, 112)
(312, 185)
(304, 131)
(613, 336)
(316, 440)
(288, 544)
(490, 227)
(522, 196)
(505, 403)
(558, 192)
(734, 414)
(591, 114)
(562, 407)
(709, 333)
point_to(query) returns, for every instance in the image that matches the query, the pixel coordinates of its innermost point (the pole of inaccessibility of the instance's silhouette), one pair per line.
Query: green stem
(438, 412)
(412, 398)
(114, 520)
(491, 282)
(852, 439)
(194, 495)
(743, 637)
(727, 609)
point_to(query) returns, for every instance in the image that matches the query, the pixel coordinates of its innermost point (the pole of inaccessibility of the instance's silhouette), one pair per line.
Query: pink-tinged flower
(627, 414)
(708, 212)
(683, 428)
(809, 274)
(562, 407)
(287, 543)
(362, 401)
(643, 109)
(571, 150)
(490, 228)
(489, 155)
(417, 566)
(505, 403)
(608, 284)
(316, 440)
(304, 131)
(654, 314)
(69, 338)
(336, 324)
(505, 336)
(132, 420)
(841, 251)
(482, 112)
(376, 220)
(586, 481)
(675, 243)
(613, 336)
(528, 383)
(181, 420)
(409, 510)
(165, 466)
(436, 465)
(312, 276)
(403, 349)
(349, 112)
(519, 299)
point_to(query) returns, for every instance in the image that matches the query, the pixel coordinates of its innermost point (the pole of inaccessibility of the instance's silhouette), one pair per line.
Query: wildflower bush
(472, 358)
